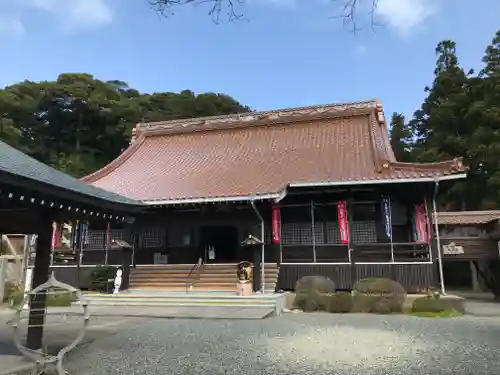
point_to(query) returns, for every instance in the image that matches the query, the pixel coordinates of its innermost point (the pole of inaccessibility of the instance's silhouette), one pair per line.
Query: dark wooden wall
(414, 277)
(474, 249)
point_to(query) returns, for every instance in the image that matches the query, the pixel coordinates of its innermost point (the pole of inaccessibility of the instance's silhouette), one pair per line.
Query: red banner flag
(428, 222)
(56, 235)
(420, 223)
(108, 235)
(343, 222)
(276, 224)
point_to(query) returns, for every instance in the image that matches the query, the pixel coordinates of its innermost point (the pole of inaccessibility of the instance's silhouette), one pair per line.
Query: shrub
(382, 306)
(100, 275)
(307, 302)
(61, 299)
(317, 284)
(364, 303)
(380, 288)
(427, 304)
(9, 289)
(16, 298)
(340, 302)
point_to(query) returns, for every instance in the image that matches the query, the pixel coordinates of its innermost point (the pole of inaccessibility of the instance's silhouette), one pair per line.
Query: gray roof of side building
(16, 163)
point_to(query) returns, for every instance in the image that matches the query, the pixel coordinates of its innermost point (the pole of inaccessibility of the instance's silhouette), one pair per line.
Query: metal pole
(106, 239)
(52, 243)
(438, 239)
(77, 229)
(389, 213)
(262, 270)
(313, 232)
(26, 255)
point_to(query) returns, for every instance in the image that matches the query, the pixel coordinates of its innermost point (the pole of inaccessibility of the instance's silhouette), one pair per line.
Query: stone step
(209, 277)
(197, 284)
(198, 300)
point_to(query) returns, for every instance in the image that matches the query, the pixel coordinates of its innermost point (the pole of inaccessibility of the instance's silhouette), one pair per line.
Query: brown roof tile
(467, 217)
(259, 154)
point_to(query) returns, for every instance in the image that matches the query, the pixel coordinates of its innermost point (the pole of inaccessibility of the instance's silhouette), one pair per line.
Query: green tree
(401, 137)
(442, 128)
(78, 123)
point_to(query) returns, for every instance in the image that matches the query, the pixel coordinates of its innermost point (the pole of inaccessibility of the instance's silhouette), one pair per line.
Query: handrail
(197, 266)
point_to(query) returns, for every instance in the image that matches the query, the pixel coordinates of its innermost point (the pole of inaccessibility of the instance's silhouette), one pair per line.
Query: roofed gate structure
(319, 185)
(32, 197)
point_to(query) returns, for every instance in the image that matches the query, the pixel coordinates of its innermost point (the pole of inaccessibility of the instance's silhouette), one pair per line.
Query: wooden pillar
(40, 275)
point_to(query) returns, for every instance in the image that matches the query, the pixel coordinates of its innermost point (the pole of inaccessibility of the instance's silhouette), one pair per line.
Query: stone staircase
(209, 278)
(178, 304)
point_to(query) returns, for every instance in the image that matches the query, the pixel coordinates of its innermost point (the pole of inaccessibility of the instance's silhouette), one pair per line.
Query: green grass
(449, 313)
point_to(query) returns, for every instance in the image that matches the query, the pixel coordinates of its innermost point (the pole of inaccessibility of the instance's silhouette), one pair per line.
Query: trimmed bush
(306, 302)
(382, 306)
(340, 302)
(363, 303)
(380, 289)
(60, 299)
(317, 284)
(427, 304)
(99, 277)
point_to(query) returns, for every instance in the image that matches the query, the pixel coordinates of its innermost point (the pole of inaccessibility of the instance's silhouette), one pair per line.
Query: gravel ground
(297, 344)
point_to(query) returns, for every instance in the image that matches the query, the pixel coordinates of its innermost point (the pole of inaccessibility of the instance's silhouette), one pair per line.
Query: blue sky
(285, 53)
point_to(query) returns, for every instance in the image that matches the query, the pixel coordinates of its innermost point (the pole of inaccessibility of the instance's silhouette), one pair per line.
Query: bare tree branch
(218, 9)
(350, 13)
(231, 9)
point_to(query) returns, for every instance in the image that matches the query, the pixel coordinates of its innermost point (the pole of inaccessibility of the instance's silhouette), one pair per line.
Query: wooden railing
(362, 253)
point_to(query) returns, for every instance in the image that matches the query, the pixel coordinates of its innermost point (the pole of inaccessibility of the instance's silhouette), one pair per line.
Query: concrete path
(480, 308)
(167, 312)
(189, 312)
(55, 338)
(105, 320)
(297, 344)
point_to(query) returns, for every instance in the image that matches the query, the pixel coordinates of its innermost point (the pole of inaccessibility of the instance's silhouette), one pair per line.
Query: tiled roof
(260, 154)
(467, 217)
(19, 164)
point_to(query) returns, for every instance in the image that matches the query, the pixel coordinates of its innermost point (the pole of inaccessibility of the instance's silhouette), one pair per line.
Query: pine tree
(440, 125)
(400, 137)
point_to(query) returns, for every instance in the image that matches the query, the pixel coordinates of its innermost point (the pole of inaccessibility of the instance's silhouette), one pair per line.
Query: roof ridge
(453, 165)
(249, 117)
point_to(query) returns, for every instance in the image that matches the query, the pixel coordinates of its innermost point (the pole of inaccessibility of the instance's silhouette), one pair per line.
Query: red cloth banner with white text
(428, 222)
(276, 224)
(108, 235)
(420, 223)
(56, 235)
(343, 222)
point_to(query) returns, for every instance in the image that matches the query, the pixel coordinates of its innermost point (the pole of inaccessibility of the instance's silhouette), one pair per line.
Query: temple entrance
(219, 244)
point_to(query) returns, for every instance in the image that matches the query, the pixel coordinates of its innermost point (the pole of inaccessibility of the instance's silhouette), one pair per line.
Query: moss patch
(449, 313)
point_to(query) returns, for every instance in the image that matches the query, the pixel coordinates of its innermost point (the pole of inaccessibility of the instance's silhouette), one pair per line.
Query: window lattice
(296, 234)
(363, 231)
(332, 233)
(152, 237)
(96, 238)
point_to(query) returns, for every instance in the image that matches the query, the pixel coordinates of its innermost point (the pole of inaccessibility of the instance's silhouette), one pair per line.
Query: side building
(470, 246)
(319, 185)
